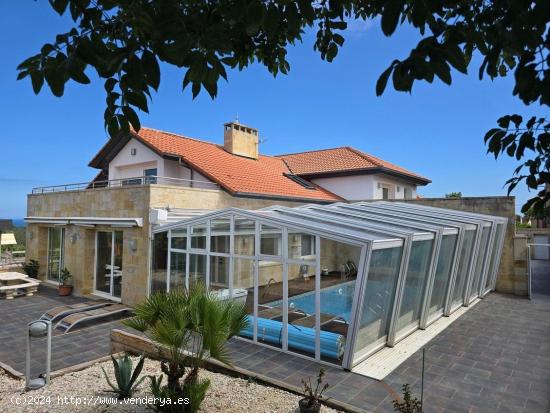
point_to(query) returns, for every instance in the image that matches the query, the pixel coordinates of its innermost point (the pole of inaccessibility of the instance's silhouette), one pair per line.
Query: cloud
(358, 27)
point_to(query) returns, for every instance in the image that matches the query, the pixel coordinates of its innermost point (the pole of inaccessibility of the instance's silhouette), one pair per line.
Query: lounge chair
(68, 322)
(64, 310)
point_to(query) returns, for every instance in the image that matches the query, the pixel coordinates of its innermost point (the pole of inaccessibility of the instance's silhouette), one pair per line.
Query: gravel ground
(226, 394)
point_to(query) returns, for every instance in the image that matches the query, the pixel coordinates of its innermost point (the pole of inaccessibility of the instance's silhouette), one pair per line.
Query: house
(101, 230)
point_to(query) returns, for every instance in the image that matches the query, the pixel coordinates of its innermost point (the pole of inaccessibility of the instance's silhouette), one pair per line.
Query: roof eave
(418, 180)
(276, 197)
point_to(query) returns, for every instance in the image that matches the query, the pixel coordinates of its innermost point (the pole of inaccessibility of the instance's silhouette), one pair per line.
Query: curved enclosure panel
(333, 283)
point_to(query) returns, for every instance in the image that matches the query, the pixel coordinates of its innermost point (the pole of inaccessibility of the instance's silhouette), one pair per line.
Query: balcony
(124, 182)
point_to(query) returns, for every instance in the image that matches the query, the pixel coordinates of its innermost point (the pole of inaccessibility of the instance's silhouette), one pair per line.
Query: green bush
(126, 377)
(31, 268)
(408, 404)
(190, 325)
(65, 276)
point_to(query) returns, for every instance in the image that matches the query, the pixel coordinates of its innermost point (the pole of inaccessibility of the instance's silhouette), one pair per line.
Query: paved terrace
(495, 358)
(76, 347)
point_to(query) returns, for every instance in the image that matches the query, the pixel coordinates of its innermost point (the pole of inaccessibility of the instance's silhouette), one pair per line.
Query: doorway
(108, 269)
(56, 238)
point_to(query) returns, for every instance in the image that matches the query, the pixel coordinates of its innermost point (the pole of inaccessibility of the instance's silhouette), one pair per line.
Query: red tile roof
(341, 160)
(237, 174)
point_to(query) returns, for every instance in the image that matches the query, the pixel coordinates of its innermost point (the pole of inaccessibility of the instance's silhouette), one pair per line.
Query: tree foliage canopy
(124, 40)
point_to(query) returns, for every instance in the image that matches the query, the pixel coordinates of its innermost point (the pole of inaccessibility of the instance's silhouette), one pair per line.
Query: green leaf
(132, 117)
(37, 80)
(390, 16)
(402, 81)
(151, 68)
(442, 71)
(138, 100)
(195, 89)
(338, 39)
(272, 19)
(55, 81)
(113, 127)
(455, 57)
(59, 5)
(383, 80)
(110, 84)
(332, 51)
(79, 76)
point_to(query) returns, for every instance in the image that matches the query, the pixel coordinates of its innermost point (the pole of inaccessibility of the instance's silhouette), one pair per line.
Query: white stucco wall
(358, 187)
(125, 165)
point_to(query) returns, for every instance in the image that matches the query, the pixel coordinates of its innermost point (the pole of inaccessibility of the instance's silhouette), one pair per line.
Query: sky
(437, 131)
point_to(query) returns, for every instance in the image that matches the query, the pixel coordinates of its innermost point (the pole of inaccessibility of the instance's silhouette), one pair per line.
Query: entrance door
(55, 253)
(108, 277)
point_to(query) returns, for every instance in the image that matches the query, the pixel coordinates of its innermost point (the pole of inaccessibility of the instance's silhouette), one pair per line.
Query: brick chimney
(240, 140)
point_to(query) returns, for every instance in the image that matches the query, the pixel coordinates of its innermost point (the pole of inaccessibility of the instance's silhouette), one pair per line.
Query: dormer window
(300, 181)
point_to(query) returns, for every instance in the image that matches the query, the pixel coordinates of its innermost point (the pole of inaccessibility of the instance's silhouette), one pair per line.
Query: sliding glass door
(56, 238)
(108, 277)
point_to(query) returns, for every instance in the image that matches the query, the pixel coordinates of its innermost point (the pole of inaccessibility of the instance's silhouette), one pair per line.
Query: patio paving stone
(495, 358)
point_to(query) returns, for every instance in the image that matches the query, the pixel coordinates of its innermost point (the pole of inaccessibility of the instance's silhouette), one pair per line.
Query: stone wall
(512, 276)
(162, 196)
(120, 202)
(79, 245)
(530, 234)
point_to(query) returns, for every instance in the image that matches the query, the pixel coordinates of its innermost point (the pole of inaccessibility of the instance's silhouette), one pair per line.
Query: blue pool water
(335, 300)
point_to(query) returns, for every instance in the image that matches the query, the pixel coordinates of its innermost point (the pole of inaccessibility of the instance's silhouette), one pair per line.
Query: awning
(87, 221)
(161, 216)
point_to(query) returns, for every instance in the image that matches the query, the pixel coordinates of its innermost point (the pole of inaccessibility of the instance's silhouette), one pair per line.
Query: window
(308, 246)
(159, 262)
(244, 236)
(415, 284)
(177, 270)
(179, 239)
(150, 176)
(301, 246)
(301, 181)
(198, 237)
(219, 235)
(270, 240)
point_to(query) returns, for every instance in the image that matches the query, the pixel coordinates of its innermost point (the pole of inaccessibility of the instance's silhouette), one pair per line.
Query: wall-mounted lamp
(31, 235)
(133, 245)
(133, 151)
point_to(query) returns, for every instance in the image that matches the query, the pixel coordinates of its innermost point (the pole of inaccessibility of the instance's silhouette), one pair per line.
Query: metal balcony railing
(116, 183)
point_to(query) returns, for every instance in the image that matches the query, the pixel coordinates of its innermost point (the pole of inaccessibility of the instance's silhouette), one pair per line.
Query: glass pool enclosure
(334, 282)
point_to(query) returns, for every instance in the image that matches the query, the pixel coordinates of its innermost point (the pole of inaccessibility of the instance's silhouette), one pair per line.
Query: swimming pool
(334, 300)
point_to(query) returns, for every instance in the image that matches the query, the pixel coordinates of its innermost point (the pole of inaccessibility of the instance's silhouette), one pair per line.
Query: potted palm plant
(64, 287)
(311, 402)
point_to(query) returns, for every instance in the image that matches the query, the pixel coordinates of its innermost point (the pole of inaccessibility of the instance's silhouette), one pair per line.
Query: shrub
(65, 276)
(313, 396)
(31, 268)
(409, 404)
(126, 379)
(190, 325)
